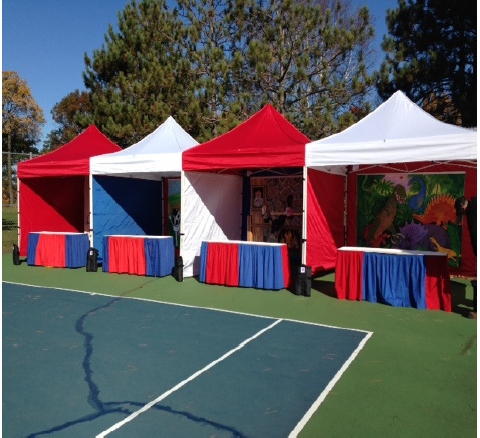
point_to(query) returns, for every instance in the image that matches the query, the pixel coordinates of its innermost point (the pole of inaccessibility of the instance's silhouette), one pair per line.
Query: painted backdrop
(410, 211)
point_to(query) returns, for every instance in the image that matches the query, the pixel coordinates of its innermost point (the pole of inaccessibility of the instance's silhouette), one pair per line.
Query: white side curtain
(211, 210)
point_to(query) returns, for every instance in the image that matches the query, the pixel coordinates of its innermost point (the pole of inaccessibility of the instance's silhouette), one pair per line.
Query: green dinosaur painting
(410, 211)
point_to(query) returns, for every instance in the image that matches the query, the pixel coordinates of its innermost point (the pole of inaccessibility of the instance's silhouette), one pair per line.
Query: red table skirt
(126, 256)
(219, 272)
(438, 290)
(152, 256)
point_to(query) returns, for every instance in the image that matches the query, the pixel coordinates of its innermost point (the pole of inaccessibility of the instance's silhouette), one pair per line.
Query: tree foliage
(22, 118)
(431, 56)
(212, 63)
(22, 121)
(68, 114)
(139, 75)
(310, 60)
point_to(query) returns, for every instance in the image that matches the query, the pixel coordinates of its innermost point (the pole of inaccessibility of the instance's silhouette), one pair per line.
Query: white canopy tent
(398, 131)
(398, 138)
(130, 187)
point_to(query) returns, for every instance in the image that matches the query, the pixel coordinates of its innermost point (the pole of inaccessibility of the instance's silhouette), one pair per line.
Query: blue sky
(44, 41)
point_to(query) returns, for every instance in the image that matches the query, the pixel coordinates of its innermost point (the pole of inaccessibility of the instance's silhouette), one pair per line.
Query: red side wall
(50, 204)
(325, 221)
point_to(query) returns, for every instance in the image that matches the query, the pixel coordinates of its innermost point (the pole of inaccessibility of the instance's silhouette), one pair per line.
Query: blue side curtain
(126, 206)
(76, 250)
(203, 262)
(159, 256)
(396, 280)
(32, 248)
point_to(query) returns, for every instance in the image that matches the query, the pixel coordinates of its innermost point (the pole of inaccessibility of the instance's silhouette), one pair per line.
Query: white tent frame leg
(90, 213)
(304, 217)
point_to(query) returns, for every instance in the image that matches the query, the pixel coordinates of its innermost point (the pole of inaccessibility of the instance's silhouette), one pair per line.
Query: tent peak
(265, 139)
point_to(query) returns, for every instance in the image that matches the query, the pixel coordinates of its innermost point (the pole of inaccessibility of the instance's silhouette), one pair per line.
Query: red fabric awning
(70, 159)
(265, 140)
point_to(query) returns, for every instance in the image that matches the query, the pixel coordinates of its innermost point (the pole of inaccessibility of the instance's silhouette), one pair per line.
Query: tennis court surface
(80, 364)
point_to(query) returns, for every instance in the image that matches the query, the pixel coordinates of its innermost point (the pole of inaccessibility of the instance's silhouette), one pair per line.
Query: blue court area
(76, 364)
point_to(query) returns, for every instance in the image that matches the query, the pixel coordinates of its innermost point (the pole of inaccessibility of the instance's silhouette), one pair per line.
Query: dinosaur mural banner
(410, 211)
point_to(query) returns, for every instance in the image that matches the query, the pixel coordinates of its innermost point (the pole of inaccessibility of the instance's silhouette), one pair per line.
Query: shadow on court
(79, 364)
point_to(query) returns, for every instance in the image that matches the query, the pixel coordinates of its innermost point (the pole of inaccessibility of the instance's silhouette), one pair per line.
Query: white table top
(244, 242)
(391, 251)
(57, 232)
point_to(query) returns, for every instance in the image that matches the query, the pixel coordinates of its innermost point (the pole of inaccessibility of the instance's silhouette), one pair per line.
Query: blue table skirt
(76, 250)
(32, 248)
(260, 267)
(202, 276)
(397, 281)
(159, 257)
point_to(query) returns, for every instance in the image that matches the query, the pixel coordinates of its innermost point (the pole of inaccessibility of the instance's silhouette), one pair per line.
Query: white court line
(184, 382)
(188, 306)
(301, 424)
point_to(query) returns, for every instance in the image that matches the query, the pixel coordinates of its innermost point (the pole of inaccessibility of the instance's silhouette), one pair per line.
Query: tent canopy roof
(265, 140)
(398, 131)
(70, 159)
(157, 155)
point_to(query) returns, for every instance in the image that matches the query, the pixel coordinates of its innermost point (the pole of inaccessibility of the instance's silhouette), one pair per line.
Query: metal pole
(304, 217)
(18, 212)
(182, 210)
(90, 205)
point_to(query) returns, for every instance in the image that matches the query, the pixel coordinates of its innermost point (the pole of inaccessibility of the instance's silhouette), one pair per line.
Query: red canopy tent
(213, 188)
(54, 188)
(265, 140)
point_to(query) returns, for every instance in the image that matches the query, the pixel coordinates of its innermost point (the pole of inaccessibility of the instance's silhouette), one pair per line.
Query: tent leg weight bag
(303, 282)
(178, 269)
(92, 260)
(16, 255)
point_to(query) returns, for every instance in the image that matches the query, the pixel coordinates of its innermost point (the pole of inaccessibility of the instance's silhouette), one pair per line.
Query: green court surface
(415, 376)
(198, 372)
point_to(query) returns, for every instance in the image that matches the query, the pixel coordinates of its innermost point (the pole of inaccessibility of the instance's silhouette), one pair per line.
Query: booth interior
(424, 216)
(135, 206)
(273, 208)
(54, 192)
(282, 217)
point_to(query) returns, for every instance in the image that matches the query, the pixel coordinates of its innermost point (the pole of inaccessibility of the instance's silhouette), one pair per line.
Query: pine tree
(139, 76)
(311, 59)
(431, 56)
(213, 63)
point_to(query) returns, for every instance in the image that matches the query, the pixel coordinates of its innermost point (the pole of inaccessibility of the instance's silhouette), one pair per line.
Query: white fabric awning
(156, 156)
(398, 131)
